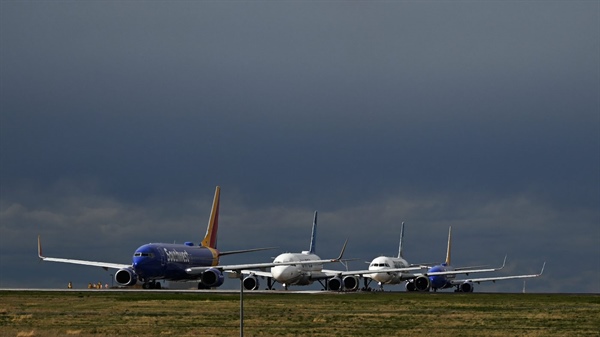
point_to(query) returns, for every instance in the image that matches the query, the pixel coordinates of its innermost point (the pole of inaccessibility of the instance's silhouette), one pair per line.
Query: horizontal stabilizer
(230, 252)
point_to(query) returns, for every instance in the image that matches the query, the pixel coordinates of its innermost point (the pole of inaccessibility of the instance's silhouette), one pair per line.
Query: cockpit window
(138, 254)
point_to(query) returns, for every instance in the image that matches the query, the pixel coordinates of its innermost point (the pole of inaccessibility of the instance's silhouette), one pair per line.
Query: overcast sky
(118, 119)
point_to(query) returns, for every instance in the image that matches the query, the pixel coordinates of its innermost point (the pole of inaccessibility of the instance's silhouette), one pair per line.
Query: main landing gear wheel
(151, 285)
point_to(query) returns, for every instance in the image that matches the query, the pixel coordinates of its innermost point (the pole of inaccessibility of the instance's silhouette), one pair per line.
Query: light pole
(241, 305)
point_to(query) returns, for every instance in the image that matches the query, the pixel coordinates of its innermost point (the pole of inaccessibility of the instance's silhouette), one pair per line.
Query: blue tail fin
(313, 236)
(401, 239)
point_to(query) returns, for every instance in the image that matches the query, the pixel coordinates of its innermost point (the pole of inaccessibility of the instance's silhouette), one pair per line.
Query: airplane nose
(381, 277)
(139, 261)
(282, 273)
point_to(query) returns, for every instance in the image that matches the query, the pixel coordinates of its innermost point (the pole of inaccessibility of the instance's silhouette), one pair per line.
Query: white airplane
(391, 270)
(301, 269)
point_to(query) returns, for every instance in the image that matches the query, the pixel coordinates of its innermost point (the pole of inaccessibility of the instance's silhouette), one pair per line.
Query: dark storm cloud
(122, 116)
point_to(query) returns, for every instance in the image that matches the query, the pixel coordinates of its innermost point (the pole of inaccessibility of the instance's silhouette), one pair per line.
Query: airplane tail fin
(401, 239)
(449, 246)
(313, 236)
(210, 239)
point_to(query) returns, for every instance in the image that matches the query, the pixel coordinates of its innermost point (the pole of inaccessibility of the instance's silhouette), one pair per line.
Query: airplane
(390, 270)
(443, 276)
(172, 262)
(301, 269)
(395, 270)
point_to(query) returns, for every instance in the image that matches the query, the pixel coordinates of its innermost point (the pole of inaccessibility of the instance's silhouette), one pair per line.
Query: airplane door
(163, 258)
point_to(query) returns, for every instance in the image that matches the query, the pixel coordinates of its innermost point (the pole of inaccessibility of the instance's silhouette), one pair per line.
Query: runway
(199, 291)
(261, 292)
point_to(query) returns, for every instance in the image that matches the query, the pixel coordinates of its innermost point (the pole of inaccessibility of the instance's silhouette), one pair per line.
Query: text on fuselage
(175, 256)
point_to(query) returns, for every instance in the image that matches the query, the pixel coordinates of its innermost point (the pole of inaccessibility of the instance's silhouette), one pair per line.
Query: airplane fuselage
(441, 281)
(300, 274)
(381, 263)
(160, 261)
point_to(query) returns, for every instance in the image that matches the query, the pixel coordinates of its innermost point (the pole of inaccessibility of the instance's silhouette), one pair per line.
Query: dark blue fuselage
(160, 261)
(441, 281)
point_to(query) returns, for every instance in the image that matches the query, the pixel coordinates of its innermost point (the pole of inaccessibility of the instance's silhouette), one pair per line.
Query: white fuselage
(382, 263)
(301, 274)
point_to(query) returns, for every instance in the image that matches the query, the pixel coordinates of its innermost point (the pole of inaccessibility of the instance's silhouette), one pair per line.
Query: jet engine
(334, 283)
(466, 287)
(350, 283)
(251, 282)
(126, 277)
(422, 283)
(212, 278)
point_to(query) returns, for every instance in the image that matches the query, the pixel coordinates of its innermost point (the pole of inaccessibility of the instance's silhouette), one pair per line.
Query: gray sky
(119, 118)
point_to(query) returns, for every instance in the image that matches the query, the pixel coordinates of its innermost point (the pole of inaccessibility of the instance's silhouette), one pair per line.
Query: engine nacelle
(212, 278)
(466, 287)
(334, 283)
(251, 283)
(126, 277)
(410, 285)
(422, 283)
(350, 283)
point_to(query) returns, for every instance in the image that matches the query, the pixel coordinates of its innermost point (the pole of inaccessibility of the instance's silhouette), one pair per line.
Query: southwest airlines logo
(175, 256)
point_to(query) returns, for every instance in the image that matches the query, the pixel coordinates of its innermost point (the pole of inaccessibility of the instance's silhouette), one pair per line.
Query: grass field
(83, 313)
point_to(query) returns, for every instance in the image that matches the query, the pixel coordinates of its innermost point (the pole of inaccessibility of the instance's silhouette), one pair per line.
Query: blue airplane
(443, 275)
(172, 262)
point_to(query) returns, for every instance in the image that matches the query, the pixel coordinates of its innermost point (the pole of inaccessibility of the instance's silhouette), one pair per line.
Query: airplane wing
(257, 273)
(462, 271)
(413, 267)
(238, 268)
(362, 273)
(246, 268)
(105, 265)
(494, 279)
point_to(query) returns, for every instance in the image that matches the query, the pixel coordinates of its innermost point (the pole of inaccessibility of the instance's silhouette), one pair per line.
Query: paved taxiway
(209, 291)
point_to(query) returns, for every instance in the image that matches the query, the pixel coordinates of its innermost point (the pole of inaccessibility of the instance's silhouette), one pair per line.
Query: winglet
(341, 253)
(543, 266)
(210, 239)
(40, 248)
(503, 263)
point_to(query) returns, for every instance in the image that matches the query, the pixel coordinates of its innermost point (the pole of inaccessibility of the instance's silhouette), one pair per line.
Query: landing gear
(151, 285)
(367, 282)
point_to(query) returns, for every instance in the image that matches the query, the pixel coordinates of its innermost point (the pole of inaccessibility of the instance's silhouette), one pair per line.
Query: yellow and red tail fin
(210, 239)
